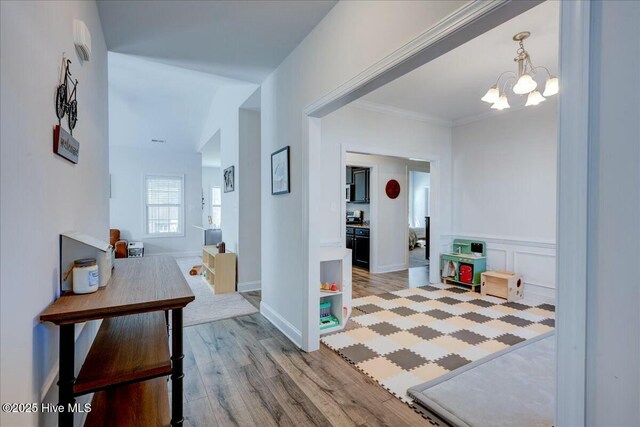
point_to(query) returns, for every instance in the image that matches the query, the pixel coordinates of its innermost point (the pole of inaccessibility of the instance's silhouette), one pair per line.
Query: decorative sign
(392, 189)
(64, 145)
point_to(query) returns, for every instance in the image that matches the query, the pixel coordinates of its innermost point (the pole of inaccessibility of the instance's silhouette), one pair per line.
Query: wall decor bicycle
(66, 102)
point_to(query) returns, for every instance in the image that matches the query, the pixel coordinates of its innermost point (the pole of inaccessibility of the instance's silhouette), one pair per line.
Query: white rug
(208, 306)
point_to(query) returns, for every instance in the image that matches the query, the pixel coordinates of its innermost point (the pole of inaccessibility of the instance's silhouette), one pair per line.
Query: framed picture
(280, 172)
(229, 179)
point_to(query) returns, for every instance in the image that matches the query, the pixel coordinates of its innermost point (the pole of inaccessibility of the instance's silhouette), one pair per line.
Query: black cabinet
(358, 241)
(360, 185)
(350, 239)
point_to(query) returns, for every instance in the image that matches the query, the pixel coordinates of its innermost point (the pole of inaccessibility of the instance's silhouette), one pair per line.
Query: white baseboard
(249, 286)
(391, 268)
(282, 324)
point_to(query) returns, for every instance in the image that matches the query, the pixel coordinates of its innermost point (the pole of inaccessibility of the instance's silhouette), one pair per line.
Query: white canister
(86, 278)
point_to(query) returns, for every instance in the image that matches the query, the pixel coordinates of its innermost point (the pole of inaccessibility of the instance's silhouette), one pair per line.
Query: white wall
(389, 226)
(358, 129)
(223, 117)
(613, 294)
(504, 191)
(127, 166)
(418, 183)
(44, 195)
(211, 177)
(352, 37)
(249, 258)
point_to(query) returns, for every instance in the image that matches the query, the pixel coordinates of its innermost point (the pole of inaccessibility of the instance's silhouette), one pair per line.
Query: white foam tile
(399, 384)
(474, 353)
(404, 323)
(490, 313)
(388, 304)
(486, 331)
(407, 292)
(444, 327)
(419, 307)
(382, 345)
(468, 296)
(367, 319)
(493, 300)
(525, 333)
(452, 309)
(339, 340)
(529, 316)
(429, 351)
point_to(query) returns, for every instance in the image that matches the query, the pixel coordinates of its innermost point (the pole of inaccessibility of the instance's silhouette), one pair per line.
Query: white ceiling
(148, 100)
(244, 40)
(449, 88)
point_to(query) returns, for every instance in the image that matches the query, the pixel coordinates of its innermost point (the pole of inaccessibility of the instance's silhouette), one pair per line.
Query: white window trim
(144, 206)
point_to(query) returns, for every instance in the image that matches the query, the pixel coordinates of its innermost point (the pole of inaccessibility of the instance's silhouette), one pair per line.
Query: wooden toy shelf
(129, 360)
(219, 270)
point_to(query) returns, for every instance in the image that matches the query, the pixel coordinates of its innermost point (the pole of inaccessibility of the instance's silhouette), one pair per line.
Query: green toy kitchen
(465, 264)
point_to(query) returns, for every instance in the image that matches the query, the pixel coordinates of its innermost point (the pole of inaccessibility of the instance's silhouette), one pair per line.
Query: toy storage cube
(502, 284)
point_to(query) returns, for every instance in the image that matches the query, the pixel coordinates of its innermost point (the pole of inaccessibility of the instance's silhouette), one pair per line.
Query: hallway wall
(44, 195)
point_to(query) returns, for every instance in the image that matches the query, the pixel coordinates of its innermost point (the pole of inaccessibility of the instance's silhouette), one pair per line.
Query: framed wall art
(280, 182)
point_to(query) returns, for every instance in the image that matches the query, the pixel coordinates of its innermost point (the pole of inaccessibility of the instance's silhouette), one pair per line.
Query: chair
(119, 245)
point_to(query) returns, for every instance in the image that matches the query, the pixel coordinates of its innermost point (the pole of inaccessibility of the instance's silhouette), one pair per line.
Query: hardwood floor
(244, 372)
(365, 283)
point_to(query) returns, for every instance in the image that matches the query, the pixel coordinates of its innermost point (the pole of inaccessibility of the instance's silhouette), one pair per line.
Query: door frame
(466, 23)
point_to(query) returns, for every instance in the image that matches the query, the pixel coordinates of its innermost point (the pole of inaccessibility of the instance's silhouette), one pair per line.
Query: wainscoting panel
(534, 261)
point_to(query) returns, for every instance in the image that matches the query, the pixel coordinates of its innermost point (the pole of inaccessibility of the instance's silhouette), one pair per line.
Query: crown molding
(399, 112)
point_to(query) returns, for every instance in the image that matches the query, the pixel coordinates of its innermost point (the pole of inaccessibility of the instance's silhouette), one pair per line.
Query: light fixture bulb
(534, 98)
(525, 85)
(492, 96)
(551, 87)
(501, 103)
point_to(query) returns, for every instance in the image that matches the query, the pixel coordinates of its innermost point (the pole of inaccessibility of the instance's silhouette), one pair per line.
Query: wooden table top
(137, 285)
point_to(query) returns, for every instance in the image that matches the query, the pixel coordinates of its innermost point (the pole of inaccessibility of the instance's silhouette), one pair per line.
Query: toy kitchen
(465, 264)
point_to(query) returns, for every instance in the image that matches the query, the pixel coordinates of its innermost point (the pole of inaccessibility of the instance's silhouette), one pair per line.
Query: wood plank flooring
(365, 283)
(244, 372)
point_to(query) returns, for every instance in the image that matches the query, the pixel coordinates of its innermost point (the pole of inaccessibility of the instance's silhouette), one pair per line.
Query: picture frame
(280, 172)
(228, 177)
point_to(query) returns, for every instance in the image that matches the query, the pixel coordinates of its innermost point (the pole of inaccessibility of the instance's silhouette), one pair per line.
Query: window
(216, 207)
(164, 205)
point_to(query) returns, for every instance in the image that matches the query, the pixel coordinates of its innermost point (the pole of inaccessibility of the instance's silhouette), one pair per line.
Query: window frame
(213, 205)
(145, 205)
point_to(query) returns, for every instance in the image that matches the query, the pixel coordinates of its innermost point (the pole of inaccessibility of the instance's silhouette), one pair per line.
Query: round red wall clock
(392, 189)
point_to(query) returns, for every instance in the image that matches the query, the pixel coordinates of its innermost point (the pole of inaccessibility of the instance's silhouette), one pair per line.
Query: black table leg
(66, 378)
(177, 373)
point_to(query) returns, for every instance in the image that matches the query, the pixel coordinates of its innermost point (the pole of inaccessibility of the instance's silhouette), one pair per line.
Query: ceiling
(449, 88)
(244, 40)
(149, 101)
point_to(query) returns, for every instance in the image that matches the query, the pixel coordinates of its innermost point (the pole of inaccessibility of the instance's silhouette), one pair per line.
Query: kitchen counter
(357, 225)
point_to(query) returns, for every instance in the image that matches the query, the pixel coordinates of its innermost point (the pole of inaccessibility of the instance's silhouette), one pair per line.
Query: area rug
(410, 336)
(521, 391)
(208, 307)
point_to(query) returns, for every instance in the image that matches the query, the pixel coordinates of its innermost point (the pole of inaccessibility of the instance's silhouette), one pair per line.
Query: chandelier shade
(525, 79)
(534, 98)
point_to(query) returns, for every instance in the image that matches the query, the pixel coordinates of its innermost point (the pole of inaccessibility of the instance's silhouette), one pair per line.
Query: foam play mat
(407, 337)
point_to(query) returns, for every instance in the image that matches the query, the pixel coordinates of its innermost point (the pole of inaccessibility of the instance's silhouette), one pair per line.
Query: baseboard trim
(290, 331)
(391, 268)
(249, 286)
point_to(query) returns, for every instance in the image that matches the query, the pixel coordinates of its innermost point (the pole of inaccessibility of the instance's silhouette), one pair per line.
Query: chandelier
(524, 80)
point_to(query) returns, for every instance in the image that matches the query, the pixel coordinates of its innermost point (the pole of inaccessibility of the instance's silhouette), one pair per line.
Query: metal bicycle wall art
(66, 102)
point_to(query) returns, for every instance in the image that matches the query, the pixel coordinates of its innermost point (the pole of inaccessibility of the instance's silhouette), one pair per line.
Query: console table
(129, 360)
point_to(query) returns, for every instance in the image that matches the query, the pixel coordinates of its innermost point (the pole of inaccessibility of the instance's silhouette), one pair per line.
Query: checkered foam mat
(411, 336)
